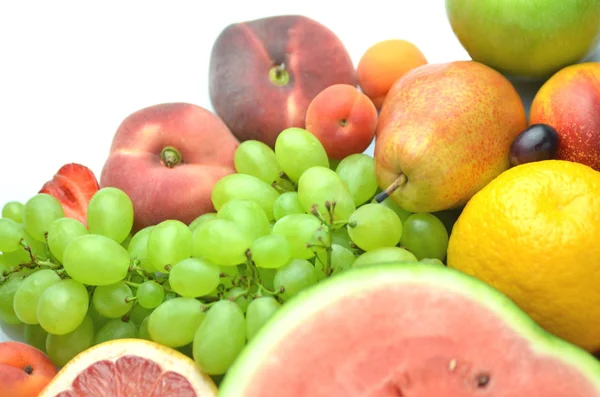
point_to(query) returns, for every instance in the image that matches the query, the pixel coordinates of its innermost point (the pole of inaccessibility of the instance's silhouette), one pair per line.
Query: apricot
(24, 370)
(344, 119)
(385, 62)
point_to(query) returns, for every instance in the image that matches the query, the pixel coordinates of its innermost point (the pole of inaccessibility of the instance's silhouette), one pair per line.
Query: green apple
(526, 38)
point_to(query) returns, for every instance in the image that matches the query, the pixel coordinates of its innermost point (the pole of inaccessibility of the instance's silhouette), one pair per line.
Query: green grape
(110, 213)
(239, 296)
(113, 300)
(61, 233)
(319, 185)
(425, 236)
(297, 150)
(62, 306)
(246, 187)
(294, 277)
(138, 248)
(267, 276)
(116, 328)
(38, 248)
(255, 158)
(402, 213)
(272, 251)
(35, 336)
(258, 313)
(286, 204)
(194, 277)
(358, 172)
(209, 216)
(10, 235)
(27, 296)
(138, 313)
(93, 259)
(341, 237)
(384, 255)
(299, 230)
(374, 226)
(175, 321)
(125, 243)
(221, 242)
(341, 259)
(150, 294)
(38, 214)
(99, 319)
(13, 210)
(7, 295)
(248, 216)
(143, 329)
(220, 338)
(432, 261)
(4, 265)
(63, 348)
(168, 243)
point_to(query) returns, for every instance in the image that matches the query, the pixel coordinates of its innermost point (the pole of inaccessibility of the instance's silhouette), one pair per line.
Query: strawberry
(73, 186)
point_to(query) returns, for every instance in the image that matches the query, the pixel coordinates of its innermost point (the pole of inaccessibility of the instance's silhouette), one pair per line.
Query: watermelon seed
(28, 369)
(452, 365)
(482, 380)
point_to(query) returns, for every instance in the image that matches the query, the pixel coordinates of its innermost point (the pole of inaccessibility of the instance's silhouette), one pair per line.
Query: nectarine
(344, 119)
(24, 370)
(570, 102)
(167, 158)
(264, 73)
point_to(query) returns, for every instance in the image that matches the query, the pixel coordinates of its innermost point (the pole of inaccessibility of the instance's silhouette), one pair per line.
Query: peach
(344, 119)
(167, 158)
(569, 101)
(385, 62)
(264, 73)
(24, 370)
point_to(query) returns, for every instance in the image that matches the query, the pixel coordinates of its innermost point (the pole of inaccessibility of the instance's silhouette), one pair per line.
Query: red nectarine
(569, 101)
(344, 119)
(24, 370)
(264, 73)
(167, 158)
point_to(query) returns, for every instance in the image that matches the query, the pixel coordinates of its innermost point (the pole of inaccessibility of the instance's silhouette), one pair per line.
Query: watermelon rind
(357, 280)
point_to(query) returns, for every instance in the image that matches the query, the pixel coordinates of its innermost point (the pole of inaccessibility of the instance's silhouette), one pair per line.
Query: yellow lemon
(534, 234)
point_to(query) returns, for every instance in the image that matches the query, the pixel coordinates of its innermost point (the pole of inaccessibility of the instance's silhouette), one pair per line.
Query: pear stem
(401, 180)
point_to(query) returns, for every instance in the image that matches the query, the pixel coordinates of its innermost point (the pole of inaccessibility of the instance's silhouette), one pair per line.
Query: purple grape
(536, 143)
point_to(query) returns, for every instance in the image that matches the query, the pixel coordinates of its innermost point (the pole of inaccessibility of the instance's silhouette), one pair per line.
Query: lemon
(533, 233)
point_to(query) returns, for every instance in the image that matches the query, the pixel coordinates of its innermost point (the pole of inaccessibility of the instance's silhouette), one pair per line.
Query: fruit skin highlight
(421, 329)
(180, 151)
(444, 132)
(24, 370)
(263, 73)
(531, 39)
(541, 223)
(570, 102)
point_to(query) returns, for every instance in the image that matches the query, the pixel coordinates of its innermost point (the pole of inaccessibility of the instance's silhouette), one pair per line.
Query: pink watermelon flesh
(408, 331)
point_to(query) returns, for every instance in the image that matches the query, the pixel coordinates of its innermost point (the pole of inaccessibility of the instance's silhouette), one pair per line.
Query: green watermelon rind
(353, 281)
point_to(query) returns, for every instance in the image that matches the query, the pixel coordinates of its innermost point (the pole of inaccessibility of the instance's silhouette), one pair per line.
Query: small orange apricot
(384, 63)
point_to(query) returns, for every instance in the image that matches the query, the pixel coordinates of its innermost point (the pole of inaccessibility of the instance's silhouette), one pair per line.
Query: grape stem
(400, 181)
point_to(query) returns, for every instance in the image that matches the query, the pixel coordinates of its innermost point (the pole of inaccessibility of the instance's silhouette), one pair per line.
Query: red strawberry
(73, 186)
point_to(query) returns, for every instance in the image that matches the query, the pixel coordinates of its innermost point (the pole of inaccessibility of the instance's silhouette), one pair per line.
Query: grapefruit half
(130, 368)
(407, 330)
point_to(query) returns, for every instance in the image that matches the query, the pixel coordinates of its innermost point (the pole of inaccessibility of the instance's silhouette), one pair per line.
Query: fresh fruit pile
(248, 237)
(283, 222)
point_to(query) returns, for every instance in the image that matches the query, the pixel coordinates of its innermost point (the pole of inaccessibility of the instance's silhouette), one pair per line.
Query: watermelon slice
(408, 330)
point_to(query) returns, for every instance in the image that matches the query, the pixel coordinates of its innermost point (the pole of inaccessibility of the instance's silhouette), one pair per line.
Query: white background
(71, 71)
